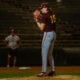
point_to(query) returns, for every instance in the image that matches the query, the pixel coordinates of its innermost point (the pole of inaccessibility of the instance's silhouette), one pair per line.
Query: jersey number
(53, 19)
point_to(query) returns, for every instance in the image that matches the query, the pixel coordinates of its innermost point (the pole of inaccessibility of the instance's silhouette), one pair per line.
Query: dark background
(17, 14)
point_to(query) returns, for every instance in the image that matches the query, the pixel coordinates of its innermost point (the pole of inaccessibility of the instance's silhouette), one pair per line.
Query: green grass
(15, 74)
(24, 74)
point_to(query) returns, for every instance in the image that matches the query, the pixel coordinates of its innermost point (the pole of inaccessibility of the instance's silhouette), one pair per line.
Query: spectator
(12, 43)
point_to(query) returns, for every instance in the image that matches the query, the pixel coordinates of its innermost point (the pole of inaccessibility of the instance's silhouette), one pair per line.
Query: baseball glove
(36, 14)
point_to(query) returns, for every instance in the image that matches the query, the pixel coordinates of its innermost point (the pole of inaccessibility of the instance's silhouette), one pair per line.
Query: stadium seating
(17, 14)
(22, 20)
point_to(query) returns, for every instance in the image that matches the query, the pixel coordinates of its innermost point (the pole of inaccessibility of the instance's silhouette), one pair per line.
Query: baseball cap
(44, 5)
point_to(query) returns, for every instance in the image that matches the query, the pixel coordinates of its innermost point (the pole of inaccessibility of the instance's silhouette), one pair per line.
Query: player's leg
(45, 48)
(14, 57)
(51, 61)
(14, 61)
(8, 63)
(50, 55)
(44, 55)
(9, 57)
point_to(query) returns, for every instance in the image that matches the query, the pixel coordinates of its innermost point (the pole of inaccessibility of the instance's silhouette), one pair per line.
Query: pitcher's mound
(59, 77)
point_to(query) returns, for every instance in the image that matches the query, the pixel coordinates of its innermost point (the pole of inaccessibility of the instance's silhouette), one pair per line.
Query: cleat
(42, 74)
(52, 73)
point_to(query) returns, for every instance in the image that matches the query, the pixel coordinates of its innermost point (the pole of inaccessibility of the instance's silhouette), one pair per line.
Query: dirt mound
(59, 77)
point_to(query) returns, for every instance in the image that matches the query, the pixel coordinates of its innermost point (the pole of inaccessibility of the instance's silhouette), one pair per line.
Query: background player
(48, 26)
(13, 43)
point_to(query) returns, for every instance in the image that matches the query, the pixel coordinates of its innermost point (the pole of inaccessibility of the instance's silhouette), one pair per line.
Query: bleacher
(12, 15)
(17, 14)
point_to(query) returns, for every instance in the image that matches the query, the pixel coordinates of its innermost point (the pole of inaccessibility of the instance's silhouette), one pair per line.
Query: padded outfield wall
(32, 57)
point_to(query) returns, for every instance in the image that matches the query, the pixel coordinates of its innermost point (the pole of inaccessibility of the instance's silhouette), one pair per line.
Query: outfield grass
(24, 74)
(15, 74)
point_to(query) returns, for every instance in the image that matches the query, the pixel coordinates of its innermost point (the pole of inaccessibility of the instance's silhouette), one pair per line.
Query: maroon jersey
(50, 21)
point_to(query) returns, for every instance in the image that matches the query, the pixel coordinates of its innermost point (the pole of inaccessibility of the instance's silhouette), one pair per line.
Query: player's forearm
(40, 25)
(19, 43)
(7, 45)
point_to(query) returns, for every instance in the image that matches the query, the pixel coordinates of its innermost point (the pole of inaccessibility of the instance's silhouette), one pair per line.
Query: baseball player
(13, 43)
(48, 26)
